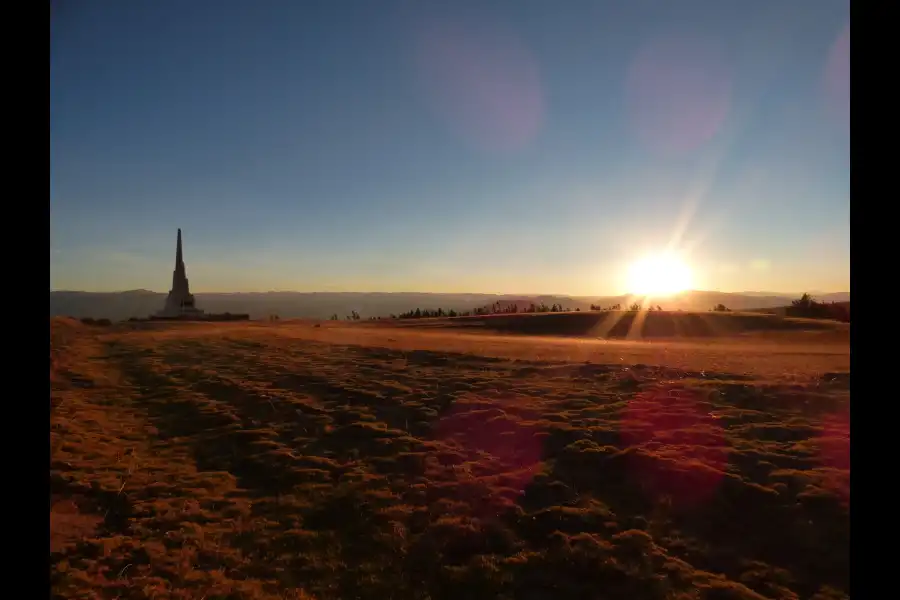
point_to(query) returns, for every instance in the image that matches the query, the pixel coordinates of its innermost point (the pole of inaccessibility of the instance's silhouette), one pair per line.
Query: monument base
(201, 316)
(184, 314)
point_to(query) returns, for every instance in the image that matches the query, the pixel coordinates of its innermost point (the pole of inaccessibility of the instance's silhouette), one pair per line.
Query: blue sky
(516, 146)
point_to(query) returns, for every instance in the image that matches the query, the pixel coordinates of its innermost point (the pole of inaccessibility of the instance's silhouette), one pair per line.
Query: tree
(804, 303)
(635, 307)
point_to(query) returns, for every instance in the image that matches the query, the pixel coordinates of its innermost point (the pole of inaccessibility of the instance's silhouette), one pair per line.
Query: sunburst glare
(661, 275)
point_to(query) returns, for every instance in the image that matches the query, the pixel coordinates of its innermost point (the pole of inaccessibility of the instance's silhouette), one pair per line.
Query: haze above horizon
(470, 147)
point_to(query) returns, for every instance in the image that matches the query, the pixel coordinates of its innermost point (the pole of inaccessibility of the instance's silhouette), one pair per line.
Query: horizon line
(623, 294)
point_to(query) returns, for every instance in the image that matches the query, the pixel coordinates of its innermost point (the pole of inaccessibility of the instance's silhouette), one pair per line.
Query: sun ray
(637, 323)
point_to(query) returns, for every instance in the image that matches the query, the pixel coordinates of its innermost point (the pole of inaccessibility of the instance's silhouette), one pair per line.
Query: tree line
(495, 309)
(501, 309)
(805, 306)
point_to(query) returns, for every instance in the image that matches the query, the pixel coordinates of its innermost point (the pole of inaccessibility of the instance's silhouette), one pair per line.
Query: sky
(517, 146)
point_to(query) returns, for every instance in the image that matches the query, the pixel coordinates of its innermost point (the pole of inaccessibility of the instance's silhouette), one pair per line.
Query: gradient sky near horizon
(517, 146)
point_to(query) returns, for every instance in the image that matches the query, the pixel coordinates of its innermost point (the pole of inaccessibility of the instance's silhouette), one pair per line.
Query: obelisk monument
(180, 301)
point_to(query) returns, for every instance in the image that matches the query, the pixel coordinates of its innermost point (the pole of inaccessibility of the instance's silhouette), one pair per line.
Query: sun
(659, 276)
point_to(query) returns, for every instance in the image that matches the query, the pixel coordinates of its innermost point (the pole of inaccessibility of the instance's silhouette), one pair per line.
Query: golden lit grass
(255, 461)
(769, 354)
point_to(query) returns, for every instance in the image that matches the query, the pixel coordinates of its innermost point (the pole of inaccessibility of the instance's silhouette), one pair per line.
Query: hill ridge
(322, 305)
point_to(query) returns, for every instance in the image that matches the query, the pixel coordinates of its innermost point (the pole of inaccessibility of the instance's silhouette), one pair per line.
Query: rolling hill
(622, 324)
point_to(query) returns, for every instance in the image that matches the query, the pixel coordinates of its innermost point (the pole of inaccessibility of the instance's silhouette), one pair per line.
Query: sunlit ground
(289, 461)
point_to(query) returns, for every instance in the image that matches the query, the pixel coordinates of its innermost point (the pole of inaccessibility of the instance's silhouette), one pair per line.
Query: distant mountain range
(321, 305)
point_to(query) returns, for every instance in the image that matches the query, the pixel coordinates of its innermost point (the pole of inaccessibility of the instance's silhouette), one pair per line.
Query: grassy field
(248, 460)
